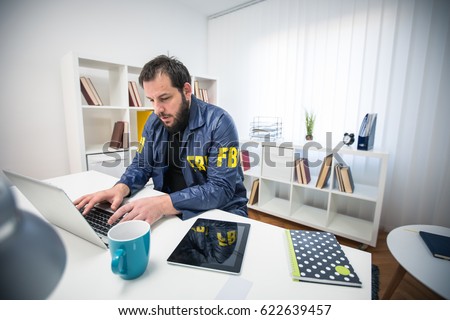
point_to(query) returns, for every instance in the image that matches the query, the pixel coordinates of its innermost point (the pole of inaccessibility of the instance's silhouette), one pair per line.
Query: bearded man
(189, 148)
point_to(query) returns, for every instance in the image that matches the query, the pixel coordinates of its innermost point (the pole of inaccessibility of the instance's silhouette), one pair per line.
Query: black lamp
(32, 256)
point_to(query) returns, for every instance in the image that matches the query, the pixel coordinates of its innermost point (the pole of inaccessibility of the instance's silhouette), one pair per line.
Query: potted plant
(310, 118)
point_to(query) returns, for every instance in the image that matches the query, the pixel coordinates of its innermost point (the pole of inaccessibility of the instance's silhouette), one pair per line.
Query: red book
(245, 160)
(87, 92)
(117, 135)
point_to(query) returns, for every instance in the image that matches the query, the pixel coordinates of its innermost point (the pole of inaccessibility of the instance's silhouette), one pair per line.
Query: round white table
(414, 257)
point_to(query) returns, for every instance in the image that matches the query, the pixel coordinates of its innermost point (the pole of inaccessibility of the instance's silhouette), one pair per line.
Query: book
(337, 172)
(97, 97)
(117, 135)
(325, 171)
(126, 135)
(438, 245)
(205, 95)
(317, 256)
(87, 92)
(347, 179)
(136, 94)
(304, 166)
(302, 170)
(245, 160)
(298, 170)
(254, 192)
(131, 95)
(197, 89)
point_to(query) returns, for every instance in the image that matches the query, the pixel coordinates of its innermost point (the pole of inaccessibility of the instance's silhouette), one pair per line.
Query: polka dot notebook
(317, 256)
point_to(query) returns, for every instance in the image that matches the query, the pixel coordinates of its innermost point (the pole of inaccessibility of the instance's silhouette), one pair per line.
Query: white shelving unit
(354, 215)
(88, 127)
(207, 83)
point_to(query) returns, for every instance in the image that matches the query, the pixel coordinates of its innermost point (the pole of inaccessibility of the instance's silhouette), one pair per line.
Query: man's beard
(181, 119)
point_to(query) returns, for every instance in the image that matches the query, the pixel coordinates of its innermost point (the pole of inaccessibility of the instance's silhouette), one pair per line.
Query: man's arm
(222, 173)
(149, 209)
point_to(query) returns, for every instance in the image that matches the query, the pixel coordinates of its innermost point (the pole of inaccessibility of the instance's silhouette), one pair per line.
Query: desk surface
(411, 252)
(264, 275)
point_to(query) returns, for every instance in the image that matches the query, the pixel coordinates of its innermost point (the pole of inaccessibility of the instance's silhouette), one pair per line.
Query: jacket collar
(196, 116)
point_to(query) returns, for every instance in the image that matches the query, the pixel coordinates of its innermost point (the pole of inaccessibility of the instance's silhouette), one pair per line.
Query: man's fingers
(116, 203)
(119, 213)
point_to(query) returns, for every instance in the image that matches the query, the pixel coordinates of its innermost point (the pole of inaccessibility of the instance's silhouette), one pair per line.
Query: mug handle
(118, 262)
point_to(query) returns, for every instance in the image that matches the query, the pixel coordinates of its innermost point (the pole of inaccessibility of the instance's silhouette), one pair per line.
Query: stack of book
(89, 92)
(344, 178)
(200, 93)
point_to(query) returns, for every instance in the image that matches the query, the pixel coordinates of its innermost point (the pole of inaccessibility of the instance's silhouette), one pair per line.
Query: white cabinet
(354, 215)
(112, 163)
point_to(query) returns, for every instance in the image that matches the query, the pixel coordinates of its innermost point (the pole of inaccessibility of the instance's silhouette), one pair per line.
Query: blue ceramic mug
(129, 245)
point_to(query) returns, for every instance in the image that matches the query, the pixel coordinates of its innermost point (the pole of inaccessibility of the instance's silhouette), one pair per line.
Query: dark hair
(170, 66)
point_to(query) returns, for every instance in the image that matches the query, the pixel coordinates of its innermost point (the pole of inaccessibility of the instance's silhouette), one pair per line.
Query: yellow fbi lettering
(223, 240)
(229, 240)
(227, 156)
(230, 155)
(141, 144)
(201, 229)
(199, 162)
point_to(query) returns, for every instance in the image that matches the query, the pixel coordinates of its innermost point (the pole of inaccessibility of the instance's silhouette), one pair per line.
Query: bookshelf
(89, 127)
(354, 215)
(207, 84)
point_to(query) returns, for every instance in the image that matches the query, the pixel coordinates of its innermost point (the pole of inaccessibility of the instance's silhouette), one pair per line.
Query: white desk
(265, 271)
(413, 257)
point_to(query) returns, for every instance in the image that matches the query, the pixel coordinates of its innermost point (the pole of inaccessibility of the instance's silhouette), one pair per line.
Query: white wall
(34, 35)
(343, 59)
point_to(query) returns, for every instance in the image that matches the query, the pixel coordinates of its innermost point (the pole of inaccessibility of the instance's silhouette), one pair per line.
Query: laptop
(54, 204)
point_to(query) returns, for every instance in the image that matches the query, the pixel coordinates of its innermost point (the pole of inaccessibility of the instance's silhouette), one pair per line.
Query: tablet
(213, 245)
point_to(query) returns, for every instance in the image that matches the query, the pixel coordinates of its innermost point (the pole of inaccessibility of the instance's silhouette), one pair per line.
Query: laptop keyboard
(98, 219)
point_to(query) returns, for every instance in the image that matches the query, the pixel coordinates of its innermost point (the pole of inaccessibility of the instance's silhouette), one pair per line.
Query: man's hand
(149, 209)
(113, 195)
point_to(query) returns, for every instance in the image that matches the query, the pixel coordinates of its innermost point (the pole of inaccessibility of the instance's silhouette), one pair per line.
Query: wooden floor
(409, 287)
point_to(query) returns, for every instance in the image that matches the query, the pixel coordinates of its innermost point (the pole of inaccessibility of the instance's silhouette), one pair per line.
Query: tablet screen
(213, 244)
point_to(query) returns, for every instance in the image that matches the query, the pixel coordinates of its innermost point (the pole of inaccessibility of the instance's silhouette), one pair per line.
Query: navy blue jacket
(210, 162)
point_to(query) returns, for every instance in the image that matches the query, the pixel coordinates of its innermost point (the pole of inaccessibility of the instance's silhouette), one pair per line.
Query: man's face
(171, 106)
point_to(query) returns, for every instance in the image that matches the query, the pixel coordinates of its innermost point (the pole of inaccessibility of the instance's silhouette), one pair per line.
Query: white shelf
(354, 215)
(362, 191)
(312, 215)
(88, 107)
(276, 205)
(97, 149)
(352, 228)
(89, 128)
